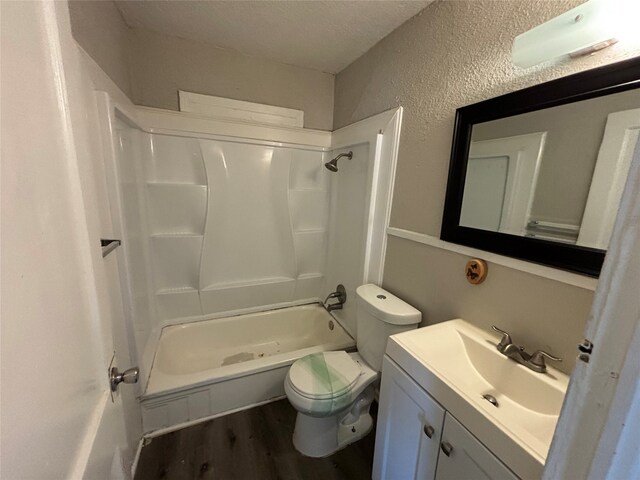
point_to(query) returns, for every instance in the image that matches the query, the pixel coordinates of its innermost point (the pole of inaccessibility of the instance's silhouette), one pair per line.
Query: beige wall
(150, 68)
(540, 314)
(453, 54)
(574, 134)
(160, 65)
(101, 31)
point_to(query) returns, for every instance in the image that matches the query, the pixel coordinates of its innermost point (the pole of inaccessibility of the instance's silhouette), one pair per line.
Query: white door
(61, 324)
(597, 433)
(484, 193)
(500, 182)
(408, 430)
(609, 177)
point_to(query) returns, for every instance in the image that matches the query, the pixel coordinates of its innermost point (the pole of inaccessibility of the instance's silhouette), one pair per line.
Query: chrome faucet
(534, 361)
(340, 294)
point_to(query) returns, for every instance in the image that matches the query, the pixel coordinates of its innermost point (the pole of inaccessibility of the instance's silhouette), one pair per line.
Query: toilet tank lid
(386, 306)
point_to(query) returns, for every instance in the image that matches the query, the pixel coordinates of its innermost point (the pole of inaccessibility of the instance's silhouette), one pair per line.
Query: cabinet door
(463, 457)
(408, 430)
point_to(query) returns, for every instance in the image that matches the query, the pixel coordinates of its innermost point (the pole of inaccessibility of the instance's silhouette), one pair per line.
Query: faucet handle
(537, 358)
(505, 340)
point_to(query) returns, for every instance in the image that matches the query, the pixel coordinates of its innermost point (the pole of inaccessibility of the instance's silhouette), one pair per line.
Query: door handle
(428, 430)
(446, 448)
(128, 376)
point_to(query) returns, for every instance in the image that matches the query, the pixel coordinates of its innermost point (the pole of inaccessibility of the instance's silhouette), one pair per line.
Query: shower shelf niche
(176, 194)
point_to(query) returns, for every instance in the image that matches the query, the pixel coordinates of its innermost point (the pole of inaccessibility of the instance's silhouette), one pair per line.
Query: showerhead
(332, 166)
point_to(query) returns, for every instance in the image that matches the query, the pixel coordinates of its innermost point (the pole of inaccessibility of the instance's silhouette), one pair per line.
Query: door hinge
(585, 348)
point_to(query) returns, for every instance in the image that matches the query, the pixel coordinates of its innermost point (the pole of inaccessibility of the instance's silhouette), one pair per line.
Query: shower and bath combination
(333, 164)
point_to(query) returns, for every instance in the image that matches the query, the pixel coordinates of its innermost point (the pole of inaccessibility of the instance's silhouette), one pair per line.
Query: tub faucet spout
(340, 294)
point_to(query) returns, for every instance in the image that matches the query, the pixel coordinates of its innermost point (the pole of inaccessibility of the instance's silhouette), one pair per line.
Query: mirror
(538, 174)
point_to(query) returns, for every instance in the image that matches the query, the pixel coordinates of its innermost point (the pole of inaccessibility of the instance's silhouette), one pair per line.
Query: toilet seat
(324, 375)
(318, 398)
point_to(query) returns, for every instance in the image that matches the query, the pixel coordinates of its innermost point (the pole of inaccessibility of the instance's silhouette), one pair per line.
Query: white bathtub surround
(209, 367)
(266, 229)
(232, 224)
(222, 216)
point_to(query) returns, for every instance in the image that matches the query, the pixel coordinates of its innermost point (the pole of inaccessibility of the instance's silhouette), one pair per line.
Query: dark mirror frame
(614, 78)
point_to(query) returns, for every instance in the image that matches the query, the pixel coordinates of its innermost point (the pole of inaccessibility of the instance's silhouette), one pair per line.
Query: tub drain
(491, 399)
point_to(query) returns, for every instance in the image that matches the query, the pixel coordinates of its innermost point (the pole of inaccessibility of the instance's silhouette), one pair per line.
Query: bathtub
(206, 368)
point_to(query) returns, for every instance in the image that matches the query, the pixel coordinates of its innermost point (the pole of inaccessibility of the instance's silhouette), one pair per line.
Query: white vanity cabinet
(417, 439)
(409, 428)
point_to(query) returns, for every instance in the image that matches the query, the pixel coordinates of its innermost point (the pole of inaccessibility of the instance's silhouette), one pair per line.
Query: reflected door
(500, 183)
(484, 196)
(619, 142)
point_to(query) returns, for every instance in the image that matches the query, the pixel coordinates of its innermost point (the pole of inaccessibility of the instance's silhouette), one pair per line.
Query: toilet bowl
(332, 391)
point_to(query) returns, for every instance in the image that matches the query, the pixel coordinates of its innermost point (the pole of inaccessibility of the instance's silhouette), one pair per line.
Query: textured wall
(150, 67)
(100, 30)
(452, 54)
(160, 65)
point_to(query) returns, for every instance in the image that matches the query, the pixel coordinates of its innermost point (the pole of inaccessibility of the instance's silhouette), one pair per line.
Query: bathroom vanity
(452, 406)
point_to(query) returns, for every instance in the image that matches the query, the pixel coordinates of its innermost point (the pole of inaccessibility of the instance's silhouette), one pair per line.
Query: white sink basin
(462, 365)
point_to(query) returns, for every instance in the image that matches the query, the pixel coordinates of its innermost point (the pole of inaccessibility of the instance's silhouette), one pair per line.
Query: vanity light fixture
(583, 30)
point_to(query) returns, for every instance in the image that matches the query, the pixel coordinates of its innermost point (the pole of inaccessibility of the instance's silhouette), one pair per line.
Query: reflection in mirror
(555, 174)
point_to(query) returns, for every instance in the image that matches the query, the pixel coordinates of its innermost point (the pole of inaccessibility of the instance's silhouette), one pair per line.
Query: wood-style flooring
(252, 444)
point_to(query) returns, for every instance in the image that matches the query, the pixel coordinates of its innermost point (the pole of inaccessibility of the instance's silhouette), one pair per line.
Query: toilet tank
(379, 315)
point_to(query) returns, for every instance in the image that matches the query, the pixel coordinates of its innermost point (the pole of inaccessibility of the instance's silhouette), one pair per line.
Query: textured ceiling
(323, 35)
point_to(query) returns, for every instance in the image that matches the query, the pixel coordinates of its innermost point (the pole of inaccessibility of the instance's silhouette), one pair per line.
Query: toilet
(332, 391)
